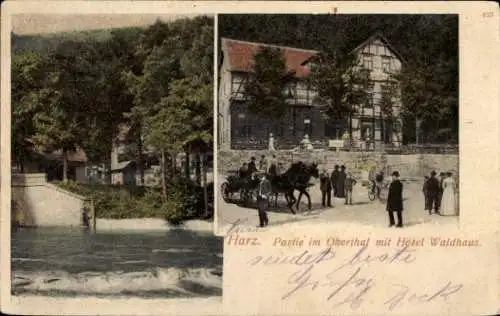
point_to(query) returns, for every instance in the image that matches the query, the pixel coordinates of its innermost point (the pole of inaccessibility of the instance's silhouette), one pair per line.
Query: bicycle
(374, 190)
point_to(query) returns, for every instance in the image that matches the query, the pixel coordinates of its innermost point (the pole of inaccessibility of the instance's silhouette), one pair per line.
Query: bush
(185, 200)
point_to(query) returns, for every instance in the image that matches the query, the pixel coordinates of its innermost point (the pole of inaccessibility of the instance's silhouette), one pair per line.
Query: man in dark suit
(263, 200)
(341, 182)
(252, 168)
(326, 188)
(433, 191)
(441, 178)
(395, 200)
(334, 178)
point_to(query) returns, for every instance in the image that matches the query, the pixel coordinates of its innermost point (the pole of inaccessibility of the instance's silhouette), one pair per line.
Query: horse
(297, 177)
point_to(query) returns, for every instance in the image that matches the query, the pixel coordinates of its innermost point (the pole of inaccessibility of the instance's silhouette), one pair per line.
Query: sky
(24, 24)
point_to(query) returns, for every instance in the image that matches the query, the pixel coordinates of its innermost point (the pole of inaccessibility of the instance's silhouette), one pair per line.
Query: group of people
(340, 182)
(270, 166)
(439, 193)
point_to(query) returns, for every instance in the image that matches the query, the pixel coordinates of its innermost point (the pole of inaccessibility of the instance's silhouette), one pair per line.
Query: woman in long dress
(448, 204)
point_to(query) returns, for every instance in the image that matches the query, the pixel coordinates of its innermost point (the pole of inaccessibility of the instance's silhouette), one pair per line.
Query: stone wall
(409, 166)
(41, 204)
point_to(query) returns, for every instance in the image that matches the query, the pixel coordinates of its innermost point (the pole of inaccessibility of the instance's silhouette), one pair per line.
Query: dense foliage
(118, 202)
(76, 90)
(428, 44)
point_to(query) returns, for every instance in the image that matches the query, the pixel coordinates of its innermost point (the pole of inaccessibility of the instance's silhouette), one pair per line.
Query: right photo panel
(324, 118)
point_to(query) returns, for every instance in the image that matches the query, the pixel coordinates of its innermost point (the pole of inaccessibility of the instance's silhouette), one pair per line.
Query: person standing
(439, 196)
(379, 182)
(252, 168)
(433, 193)
(263, 163)
(426, 194)
(326, 188)
(340, 182)
(334, 178)
(448, 206)
(263, 200)
(395, 200)
(349, 184)
(273, 169)
(242, 173)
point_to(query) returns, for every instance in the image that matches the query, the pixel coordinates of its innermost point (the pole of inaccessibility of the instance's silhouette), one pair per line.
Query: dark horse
(295, 178)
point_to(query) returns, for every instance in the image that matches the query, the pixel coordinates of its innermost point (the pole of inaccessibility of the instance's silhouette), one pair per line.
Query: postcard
(109, 159)
(350, 169)
(249, 158)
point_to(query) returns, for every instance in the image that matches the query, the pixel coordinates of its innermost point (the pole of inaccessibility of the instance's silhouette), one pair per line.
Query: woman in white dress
(448, 204)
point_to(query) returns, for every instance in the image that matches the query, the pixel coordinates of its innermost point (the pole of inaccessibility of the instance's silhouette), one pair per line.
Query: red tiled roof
(240, 55)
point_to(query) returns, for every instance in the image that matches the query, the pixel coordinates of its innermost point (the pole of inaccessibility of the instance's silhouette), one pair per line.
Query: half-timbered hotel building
(240, 129)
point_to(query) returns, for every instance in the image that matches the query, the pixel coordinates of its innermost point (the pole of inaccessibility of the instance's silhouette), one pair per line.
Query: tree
(341, 84)
(429, 99)
(389, 100)
(69, 101)
(266, 86)
(27, 79)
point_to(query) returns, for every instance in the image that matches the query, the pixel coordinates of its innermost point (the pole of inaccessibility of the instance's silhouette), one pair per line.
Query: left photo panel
(112, 156)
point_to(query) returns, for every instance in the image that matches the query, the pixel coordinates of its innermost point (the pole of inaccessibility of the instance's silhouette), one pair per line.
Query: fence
(410, 149)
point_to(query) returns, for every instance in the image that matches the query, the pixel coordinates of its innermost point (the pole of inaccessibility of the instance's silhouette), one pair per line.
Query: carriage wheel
(224, 190)
(371, 195)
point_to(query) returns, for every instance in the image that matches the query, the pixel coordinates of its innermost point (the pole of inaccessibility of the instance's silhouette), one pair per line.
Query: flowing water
(68, 262)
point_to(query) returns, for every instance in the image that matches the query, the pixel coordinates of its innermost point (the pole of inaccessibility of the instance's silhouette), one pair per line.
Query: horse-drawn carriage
(246, 187)
(295, 178)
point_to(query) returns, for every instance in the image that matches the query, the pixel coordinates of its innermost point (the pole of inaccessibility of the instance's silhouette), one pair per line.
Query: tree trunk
(140, 157)
(163, 175)
(174, 164)
(350, 130)
(21, 161)
(65, 165)
(187, 169)
(205, 187)
(198, 168)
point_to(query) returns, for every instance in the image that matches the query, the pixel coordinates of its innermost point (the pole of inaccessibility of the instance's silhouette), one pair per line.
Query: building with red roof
(240, 129)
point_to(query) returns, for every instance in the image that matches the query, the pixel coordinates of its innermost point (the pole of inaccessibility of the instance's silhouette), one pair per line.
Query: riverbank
(152, 224)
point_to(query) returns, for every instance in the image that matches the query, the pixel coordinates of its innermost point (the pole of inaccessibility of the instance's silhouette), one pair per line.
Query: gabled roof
(381, 38)
(240, 56)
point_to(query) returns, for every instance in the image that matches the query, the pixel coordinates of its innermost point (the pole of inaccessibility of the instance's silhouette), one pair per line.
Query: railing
(443, 149)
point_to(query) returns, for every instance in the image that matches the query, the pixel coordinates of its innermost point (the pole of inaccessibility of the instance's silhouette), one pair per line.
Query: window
(302, 94)
(308, 127)
(290, 91)
(386, 64)
(368, 62)
(367, 130)
(278, 129)
(246, 131)
(237, 86)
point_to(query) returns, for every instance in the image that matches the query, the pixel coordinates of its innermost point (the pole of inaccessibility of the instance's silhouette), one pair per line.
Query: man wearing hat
(432, 193)
(395, 200)
(326, 189)
(263, 200)
(252, 168)
(333, 179)
(341, 182)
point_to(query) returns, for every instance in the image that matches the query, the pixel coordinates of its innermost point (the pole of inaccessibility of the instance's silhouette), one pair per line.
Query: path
(363, 211)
